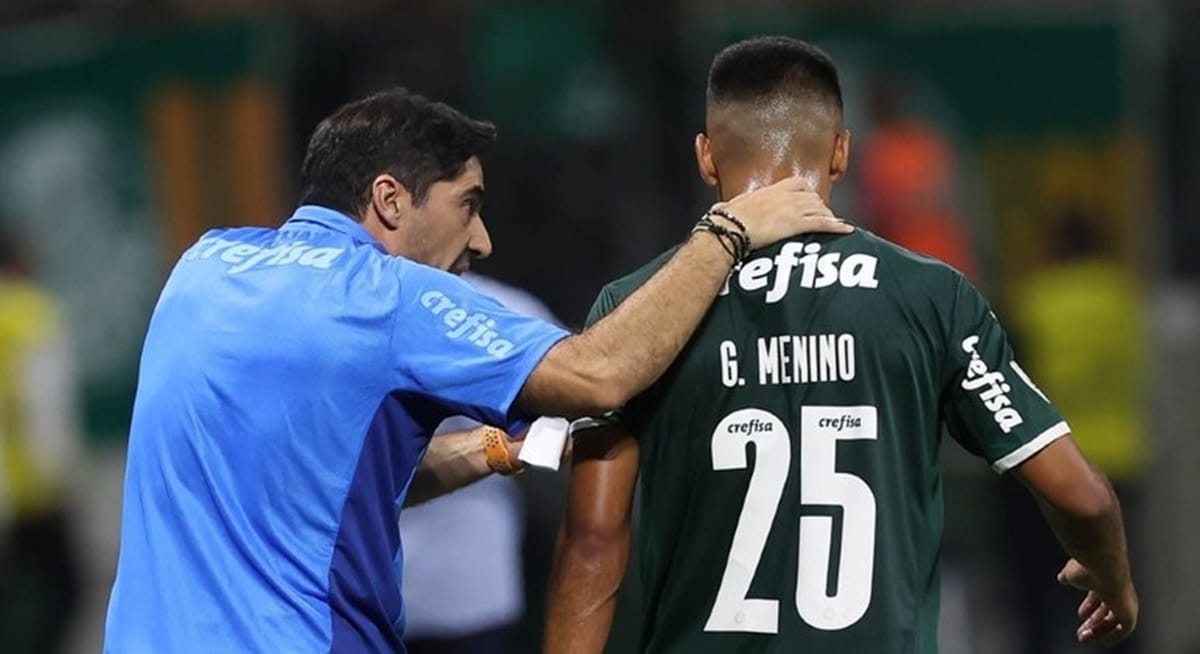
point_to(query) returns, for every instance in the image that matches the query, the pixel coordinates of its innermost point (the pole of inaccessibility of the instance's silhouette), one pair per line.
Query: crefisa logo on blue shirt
(477, 328)
(244, 256)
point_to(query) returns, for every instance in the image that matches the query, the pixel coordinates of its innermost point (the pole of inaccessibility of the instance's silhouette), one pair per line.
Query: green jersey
(791, 484)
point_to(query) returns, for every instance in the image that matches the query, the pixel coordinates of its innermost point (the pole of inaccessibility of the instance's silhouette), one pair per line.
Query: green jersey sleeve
(990, 404)
(604, 303)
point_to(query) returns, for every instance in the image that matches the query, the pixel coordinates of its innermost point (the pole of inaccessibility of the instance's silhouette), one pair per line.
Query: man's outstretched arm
(619, 356)
(593, 545)
(1085, 515)
(455, 460)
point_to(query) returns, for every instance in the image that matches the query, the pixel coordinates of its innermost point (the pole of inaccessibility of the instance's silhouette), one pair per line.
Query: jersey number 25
(821, 427)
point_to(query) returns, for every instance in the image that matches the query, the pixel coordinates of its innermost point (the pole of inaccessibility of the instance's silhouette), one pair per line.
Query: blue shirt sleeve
(463, 349)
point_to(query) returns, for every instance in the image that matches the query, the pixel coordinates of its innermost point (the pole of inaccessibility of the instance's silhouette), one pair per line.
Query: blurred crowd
(1048, 150)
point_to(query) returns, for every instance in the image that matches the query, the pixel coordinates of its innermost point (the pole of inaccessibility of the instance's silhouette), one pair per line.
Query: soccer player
(791, 484)
(291, 377)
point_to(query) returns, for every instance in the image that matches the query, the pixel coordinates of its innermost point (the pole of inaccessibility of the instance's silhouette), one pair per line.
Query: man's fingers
(1088, 605)
(1086, 632)
(1104, 629)
(829, 224)
(1100, 622)
(1119, 632)
(816, 211)
(1109, 632)
(1076, 576)
(1094, 618)
(1064, 574)
(1116, 627)
(1097, 616)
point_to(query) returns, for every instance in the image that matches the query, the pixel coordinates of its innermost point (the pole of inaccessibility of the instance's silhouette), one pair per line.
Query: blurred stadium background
(1049, 148)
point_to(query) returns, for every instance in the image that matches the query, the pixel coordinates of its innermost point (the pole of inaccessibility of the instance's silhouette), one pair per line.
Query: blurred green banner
(85, 146)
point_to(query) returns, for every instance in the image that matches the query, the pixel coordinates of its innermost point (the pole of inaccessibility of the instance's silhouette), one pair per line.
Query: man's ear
(390, 201)
(840, 162)
(704, 160)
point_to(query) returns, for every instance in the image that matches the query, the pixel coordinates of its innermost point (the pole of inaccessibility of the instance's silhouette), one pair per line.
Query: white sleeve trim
(584, 424)
(1019, 455)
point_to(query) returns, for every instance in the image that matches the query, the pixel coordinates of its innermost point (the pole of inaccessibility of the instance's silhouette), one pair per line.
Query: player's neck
(737, 182)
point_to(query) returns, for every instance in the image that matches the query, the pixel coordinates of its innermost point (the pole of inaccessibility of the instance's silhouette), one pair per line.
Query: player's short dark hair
(768, 67)
(415, 139)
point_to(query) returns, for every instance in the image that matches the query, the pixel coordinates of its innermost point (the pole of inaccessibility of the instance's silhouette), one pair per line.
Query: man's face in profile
(449, 230)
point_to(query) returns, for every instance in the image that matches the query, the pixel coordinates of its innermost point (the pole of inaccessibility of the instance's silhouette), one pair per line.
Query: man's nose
(480, 244)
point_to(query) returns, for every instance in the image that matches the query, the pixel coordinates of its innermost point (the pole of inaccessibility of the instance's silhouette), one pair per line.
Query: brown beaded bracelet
(726, 238)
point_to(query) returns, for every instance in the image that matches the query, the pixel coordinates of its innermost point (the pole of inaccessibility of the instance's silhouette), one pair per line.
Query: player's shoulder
(622, 287)
(615, 292)
(908, 270)
(902, 258)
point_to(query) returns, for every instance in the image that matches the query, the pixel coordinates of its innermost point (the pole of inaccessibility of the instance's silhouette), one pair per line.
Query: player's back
(791, 485)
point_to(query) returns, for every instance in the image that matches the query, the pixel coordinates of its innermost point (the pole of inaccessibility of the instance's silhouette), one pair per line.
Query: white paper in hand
(545, 443)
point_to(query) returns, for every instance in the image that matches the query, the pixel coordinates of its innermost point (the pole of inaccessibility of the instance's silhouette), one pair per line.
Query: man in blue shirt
(291, 377)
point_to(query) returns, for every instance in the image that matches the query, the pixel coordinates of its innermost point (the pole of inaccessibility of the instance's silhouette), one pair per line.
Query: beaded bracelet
(718, 211)
(723, 237)
(735, 244)
(742, 234)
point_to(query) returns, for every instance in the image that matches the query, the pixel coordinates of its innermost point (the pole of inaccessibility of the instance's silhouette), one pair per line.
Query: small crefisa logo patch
(244, 256)
(477, 328)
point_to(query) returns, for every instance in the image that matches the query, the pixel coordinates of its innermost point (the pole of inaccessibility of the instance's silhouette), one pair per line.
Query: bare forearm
(642, 336)
(1081, 508)
(583, 596)
(1095, 538)
(627, 350)
(452, 461)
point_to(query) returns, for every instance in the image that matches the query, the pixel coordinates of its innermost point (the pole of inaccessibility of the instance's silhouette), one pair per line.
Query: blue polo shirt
(288, 386)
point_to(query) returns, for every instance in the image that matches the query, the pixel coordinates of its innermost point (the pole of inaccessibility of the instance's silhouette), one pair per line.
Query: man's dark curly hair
(415, 139)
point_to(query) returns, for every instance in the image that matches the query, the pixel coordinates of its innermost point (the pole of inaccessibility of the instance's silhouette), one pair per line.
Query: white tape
(545, 443)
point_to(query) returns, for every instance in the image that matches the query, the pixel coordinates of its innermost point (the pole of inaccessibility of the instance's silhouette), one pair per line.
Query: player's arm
(1081, 508)
(994, 408)
(459, 458)
(619, 356)
(593, 544)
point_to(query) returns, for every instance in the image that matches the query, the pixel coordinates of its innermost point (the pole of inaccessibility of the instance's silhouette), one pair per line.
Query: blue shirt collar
(332, 220)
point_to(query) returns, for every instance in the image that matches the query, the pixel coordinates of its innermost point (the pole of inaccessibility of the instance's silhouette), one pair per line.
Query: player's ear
(704, 160)
(390, 201)
(839, 163)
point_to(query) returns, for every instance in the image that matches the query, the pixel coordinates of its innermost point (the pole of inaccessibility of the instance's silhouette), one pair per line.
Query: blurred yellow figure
(30, 328)
(39, 585)
(1085, 332)
(1082, 325)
